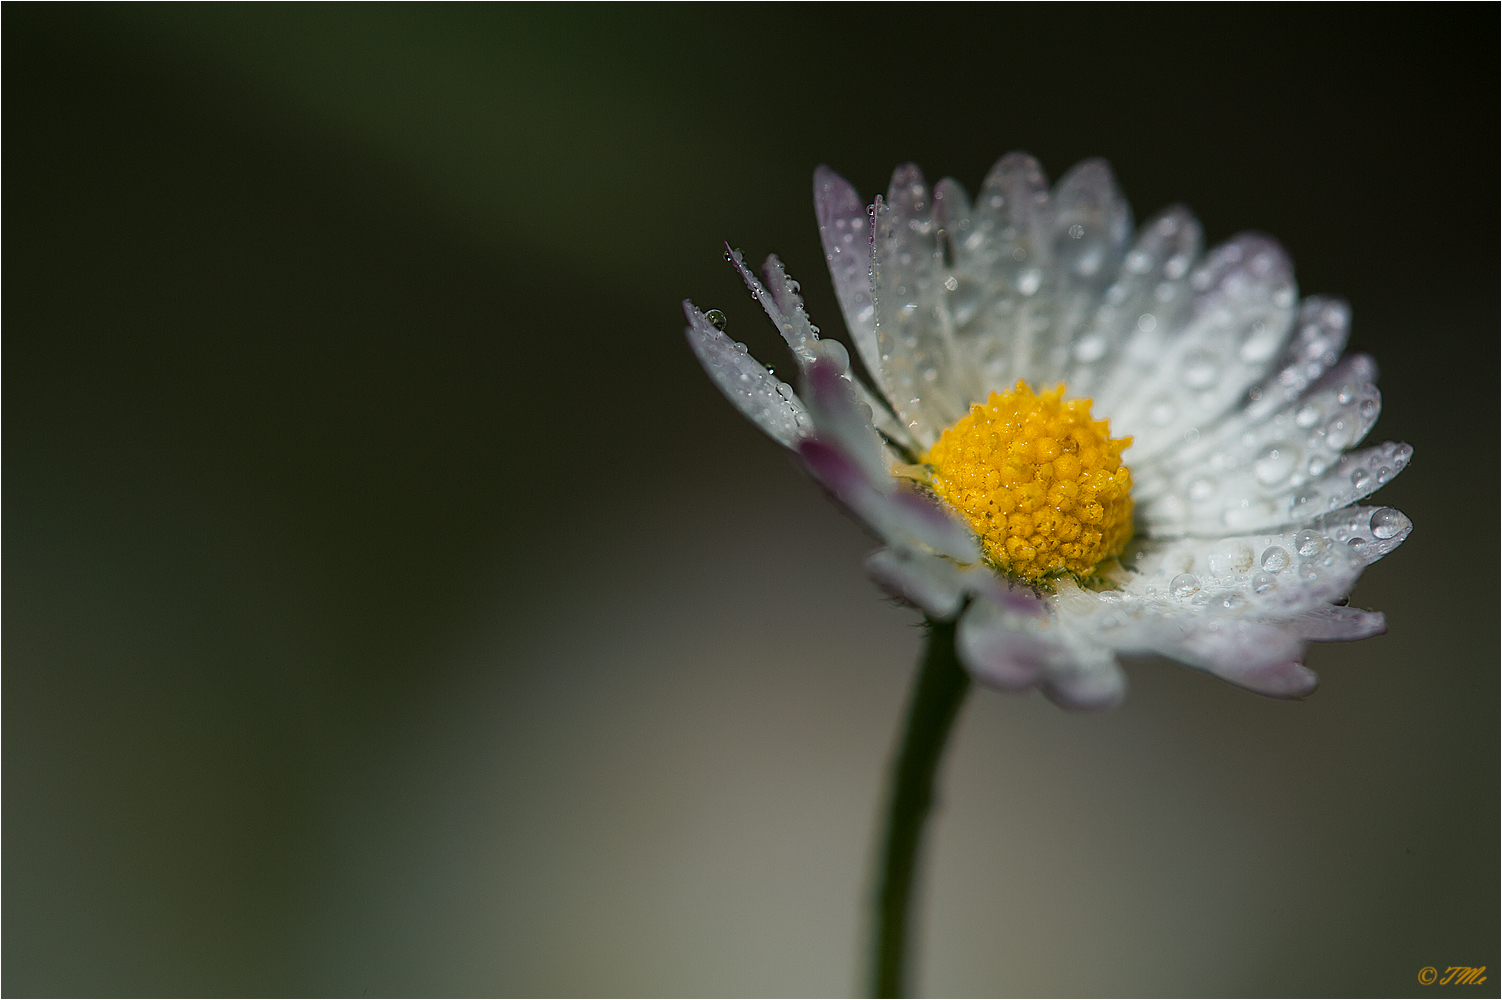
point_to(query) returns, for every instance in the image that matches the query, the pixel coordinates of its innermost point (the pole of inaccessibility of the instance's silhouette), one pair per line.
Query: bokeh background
(392, 607)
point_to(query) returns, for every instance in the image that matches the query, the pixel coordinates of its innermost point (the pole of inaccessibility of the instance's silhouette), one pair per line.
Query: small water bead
(1162, 411)
(1389, 523)
(741, 348)
(1317, 466)
(1276, 463)
(1275, 559)
(1309, 543)
(1346, 394)
(1183, 585)
(1383, 475)
(1340, 432)
(1203, 489)
(1307, 416)
(1147, 322)
(1263, 582)
(1368, 408)
(1360, 478)
(716, 318)
(1092, 348)
(1200, 370)
(1357, 544)
(1232, 601)
(1076, 231)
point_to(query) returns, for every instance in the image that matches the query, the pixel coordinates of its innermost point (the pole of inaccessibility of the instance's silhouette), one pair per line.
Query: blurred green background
(392, 607)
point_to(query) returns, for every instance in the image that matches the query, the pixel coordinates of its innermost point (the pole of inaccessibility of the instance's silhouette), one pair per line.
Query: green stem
(938, 692)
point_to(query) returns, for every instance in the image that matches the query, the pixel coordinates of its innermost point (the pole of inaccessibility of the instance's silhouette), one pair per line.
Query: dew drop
(1275, 559)
(1076, 231)
(1147, 322)
(1307, 416)
(1276, 463)
(716, 318)
(1388, 523)
(1340, 432)
(1232, 601)
(1263, 582)
(1308, 543)
(1029, 281)
(1368, 408)
(1360, 478)
(1317, 466)
(1092, 348)
(1183, 585)
(1200, 370)
(1346, 394)
(1358, 543)
(1203, 489)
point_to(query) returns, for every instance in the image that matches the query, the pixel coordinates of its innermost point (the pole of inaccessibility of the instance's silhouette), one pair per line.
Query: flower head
(1084, 441)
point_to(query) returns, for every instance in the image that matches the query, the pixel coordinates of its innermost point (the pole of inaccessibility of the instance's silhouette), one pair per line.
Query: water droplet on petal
(1183, 585)
(1200, 369)
(716, 318)
(1263, 582)
(1276, 463)
(1388, 523)
(1203, 489)
(1360, 478)
(1307, 416)
(1309, 543)
(1275, 559)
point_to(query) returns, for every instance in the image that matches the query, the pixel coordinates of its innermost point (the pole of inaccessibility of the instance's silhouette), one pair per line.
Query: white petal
(1091, 682)
(932, 583)
(1008, 254)
(845, 231)
(782, 305)
(1237, 325)
(1088, 234)
(919, 374)
(1147, 300)
(1269, 475)
(764, 399)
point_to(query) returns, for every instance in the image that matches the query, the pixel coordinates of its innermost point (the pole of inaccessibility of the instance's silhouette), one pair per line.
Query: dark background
(393, 607)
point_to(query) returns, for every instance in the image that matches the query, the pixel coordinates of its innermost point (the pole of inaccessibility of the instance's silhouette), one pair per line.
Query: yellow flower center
(1041, 483)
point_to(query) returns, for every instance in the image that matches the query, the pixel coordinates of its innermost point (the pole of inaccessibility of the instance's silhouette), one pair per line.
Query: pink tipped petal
(1233, 648)
(897, 514)
(929, 582)
(995, 650)
(1284, 679)
(1337, 624)
(841, 417)
(762, 398)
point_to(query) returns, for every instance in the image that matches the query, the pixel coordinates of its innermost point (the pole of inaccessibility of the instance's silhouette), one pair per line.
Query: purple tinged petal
(995, 650)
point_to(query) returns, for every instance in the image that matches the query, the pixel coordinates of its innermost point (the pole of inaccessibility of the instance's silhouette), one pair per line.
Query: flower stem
(938, 692)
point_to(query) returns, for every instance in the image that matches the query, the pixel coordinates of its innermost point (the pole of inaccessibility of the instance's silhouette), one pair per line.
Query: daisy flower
(1081, 439)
